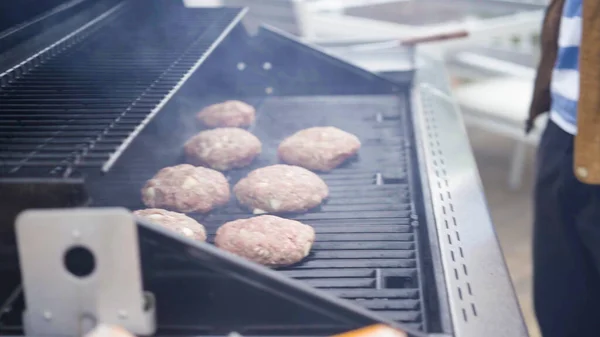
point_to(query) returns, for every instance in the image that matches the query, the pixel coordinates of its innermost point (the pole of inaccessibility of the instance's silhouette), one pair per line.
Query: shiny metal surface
(103, 275)
(480, 294)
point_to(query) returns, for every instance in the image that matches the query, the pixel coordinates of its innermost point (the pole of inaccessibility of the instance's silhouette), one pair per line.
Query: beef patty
(174, 221)
(227, 114)
(185, 188)
(318, 148)
(267, 239)
(223, 148)
(281, 189)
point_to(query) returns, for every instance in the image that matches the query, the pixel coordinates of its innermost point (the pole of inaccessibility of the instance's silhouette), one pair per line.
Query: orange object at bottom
(104, 330)
(377, 330)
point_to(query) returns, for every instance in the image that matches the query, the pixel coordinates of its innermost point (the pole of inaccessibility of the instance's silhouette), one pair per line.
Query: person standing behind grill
(566, 239)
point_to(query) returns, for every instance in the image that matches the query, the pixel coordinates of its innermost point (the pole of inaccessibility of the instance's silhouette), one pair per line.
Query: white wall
(202, 3)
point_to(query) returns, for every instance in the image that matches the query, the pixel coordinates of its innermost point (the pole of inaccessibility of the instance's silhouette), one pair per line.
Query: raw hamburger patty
(318, 148)
(223, 148)
(280, 189)
(267, 239)
(186, 188)
(227, 114)
(174, 221)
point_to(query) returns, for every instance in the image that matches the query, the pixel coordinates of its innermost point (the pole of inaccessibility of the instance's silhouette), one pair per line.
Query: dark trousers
(566, 242)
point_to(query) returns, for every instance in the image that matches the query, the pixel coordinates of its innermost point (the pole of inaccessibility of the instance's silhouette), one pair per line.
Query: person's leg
(588, 223)
(563, 294)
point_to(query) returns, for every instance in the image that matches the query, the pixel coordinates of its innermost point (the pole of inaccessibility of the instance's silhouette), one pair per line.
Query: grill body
(90, 113)
(89, 119)
(79, 106)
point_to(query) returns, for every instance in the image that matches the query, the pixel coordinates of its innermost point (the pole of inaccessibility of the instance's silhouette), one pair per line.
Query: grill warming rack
(81, 103)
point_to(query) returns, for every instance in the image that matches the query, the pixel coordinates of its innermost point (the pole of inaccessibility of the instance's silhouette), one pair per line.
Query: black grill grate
(79, 107)
(367, 248)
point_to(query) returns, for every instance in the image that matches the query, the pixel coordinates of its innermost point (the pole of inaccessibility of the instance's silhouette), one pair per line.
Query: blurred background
(491, 71)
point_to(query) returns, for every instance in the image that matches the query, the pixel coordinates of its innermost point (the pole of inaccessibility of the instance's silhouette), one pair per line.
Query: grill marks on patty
(318, 148)
(268, 240)
(281, 189)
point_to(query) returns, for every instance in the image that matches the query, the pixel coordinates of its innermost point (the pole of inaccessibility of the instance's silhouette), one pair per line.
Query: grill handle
(436, 37)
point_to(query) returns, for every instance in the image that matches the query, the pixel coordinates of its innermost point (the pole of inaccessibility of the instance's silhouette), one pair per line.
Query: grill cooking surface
(367, 232)
(77, 108)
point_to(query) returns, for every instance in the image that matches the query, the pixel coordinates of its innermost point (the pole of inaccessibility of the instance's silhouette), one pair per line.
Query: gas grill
(96, 105)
